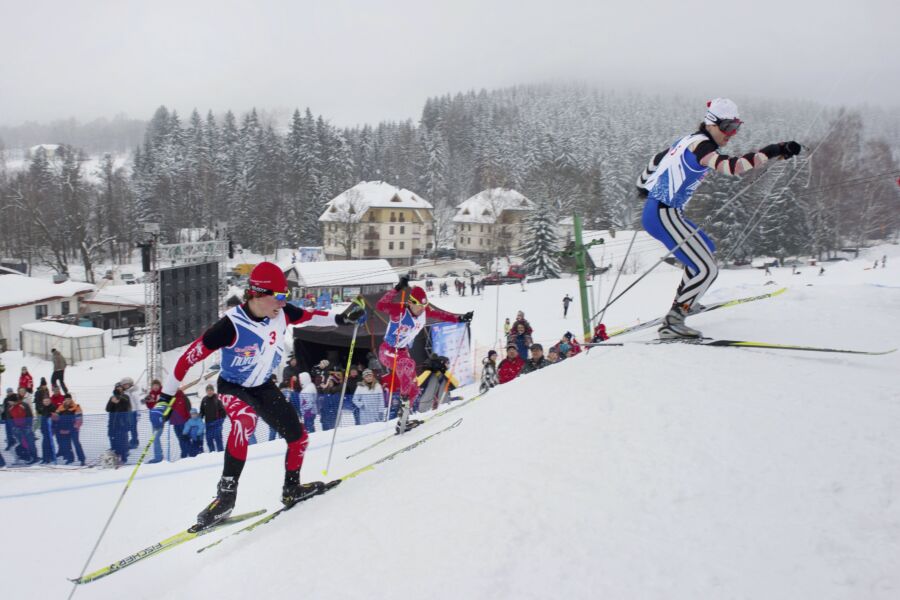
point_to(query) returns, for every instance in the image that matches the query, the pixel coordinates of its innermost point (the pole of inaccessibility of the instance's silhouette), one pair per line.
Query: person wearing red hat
(407, 320)
(668, 183)
(251, 339)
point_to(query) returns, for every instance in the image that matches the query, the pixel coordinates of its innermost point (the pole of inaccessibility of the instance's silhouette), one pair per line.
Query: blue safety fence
(107, 439)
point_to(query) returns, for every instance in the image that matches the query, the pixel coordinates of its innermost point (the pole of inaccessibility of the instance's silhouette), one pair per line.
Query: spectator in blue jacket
(194, 430)
(67, 423)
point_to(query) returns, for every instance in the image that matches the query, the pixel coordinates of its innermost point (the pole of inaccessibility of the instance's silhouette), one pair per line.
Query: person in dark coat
(537, 360)
(45, 412)
(213, 412)
(119, 423)
(520, 337)
(8, 401)
(181, 412)
(59, 369)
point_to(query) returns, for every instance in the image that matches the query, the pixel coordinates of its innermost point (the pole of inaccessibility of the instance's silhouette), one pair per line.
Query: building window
(402, 244)
(391, 229)
(65, 307)
(390, 245)
(354, 245)
(402, 217)
(481, 228)
(402, 229)
(40, 311)
(393, 216)
(371, 245)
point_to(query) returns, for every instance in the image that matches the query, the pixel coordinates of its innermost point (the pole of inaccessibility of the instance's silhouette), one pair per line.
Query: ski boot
(294, 491)
(221, 507)
(696, 308)
(404, 423)
(673, 326)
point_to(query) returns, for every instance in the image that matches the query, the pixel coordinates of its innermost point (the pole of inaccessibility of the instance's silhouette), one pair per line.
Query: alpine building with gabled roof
(374, 219)
(491, 223)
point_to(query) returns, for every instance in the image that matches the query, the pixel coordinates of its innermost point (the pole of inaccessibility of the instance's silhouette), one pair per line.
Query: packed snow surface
(641, 471)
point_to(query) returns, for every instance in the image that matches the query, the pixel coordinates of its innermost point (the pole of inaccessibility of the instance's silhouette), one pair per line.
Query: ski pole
(341, 401)
(619, 274)
(121, 496)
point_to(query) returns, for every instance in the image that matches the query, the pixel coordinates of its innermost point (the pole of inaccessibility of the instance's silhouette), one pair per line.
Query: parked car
(128, 278)
(451, 274)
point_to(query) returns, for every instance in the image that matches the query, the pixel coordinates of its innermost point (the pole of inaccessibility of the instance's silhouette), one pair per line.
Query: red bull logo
(247, 351)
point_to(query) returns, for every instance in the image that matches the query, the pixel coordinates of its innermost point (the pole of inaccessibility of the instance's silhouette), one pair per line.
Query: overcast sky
(371, 60)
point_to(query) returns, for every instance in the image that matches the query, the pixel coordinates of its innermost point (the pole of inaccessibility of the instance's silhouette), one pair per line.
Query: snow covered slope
(631, 472)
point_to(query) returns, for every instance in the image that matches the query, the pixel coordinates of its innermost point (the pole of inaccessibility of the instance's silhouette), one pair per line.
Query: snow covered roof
(487, 205)
(19, 290)
(63, 330)
(120, 295)
(48, 148)
(337, 273)
(371, 194)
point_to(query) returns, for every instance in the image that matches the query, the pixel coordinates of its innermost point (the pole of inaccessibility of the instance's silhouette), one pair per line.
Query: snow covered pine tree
(541, 250)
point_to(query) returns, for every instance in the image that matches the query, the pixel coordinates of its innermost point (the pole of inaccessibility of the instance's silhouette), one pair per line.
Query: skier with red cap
(251, 338)
(407, 320)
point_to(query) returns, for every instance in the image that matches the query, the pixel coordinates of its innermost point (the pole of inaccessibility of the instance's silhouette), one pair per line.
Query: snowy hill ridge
(631, 472)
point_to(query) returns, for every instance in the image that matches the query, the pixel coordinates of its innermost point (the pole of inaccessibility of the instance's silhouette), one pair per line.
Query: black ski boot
(294, 491)
(221, 507)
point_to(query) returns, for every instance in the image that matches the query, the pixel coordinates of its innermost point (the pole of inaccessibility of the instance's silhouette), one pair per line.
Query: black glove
(466, 318)
(790, 149)
(353, 314)
(402, 284)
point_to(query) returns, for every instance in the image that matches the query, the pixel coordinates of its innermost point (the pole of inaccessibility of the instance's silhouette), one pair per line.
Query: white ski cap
(720, 108)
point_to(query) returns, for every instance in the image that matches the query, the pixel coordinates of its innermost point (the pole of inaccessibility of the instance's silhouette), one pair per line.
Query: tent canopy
(312, 344)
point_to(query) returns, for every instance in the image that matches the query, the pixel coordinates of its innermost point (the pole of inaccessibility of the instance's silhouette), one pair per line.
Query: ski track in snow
(669, 471)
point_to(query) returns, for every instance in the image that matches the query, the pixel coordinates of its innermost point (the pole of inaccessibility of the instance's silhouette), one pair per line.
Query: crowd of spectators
(524, 355)
(32, 417)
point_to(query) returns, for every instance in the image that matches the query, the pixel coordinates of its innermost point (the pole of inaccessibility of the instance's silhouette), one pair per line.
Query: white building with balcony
(374, 219)
(491, 223)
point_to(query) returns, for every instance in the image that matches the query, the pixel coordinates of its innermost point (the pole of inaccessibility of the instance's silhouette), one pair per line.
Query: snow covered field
(631, 472)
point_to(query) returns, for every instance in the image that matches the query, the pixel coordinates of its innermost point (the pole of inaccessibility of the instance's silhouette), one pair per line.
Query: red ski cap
(267, 277)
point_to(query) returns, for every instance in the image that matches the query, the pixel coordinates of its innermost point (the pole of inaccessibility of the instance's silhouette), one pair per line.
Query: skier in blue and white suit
(670, 180)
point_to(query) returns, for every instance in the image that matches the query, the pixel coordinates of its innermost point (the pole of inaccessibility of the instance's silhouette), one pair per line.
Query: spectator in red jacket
(56, 397)
(25, 381)
(181, 413)
(511, 366)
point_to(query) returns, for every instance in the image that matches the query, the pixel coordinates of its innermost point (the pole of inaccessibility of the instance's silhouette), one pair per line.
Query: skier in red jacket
(407, 320)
